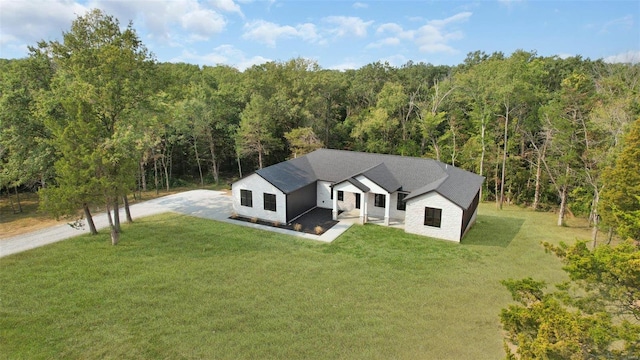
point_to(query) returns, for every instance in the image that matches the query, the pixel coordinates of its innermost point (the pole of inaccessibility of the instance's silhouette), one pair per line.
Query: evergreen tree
(620, 202)
(101, 80)
(595, 316)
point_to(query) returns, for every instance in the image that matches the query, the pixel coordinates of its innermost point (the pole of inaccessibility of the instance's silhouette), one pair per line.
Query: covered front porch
(364, 203)
(354, 217)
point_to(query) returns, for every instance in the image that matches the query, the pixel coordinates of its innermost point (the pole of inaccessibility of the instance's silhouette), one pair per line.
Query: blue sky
(342, 34)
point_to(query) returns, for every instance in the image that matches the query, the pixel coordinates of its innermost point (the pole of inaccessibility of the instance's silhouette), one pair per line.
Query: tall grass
(181, 287)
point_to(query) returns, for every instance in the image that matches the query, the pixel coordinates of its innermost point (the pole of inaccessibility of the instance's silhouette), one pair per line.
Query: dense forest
(94, 117)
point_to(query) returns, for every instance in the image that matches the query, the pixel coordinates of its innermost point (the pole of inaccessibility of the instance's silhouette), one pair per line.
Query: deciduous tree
(256, 132)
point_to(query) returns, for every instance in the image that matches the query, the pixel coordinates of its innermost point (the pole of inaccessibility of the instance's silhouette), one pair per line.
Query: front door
(357, 201)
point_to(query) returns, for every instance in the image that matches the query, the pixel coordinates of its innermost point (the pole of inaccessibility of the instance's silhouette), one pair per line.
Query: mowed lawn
(179, 287)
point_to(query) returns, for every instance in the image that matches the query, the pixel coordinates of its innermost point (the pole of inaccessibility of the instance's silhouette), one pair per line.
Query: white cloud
(451, 19)
(268, 32)
(348, 64)
(7, 38)
(347, 25)
(25, 22)
(222, 55)
(395, 60)
(359, 5)
(208, 59)
(390, 41)
(629, 57)
(396, 30)
(254, 60)
(166, 21)
(202, 24)
(227, 5)
(389, 27)
(625, 22)
(433, 37)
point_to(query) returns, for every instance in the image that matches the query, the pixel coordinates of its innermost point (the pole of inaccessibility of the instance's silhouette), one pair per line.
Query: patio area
(353, 217)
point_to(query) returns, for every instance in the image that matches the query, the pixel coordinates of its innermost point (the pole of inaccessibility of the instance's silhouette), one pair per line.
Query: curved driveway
(208, 204)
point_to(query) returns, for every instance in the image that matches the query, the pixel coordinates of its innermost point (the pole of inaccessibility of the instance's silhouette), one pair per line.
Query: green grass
(181, 287)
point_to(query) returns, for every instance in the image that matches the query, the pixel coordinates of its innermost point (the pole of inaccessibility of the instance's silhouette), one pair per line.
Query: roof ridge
(380, 154)
(359, 173)
(370, 168)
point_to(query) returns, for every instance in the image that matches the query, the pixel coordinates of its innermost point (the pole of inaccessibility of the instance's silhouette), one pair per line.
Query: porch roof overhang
(364, 188)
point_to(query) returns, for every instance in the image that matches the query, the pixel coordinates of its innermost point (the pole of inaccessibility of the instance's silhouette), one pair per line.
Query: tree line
(94, 117)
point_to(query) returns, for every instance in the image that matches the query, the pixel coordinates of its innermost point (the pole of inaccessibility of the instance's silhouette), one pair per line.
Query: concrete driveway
(208, 204)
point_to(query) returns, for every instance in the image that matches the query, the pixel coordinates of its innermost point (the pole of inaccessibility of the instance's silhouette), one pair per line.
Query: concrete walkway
(208, 204)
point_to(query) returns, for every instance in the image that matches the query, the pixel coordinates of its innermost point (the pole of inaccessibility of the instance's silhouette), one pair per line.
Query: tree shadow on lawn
(493, 231)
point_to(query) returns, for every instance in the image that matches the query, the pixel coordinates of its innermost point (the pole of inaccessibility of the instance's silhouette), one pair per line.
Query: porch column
(387, 208)
(365, 208)
(334, 212)
(362, 207)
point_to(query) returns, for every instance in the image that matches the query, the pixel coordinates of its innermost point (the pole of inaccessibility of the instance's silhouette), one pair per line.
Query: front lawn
(182, 287)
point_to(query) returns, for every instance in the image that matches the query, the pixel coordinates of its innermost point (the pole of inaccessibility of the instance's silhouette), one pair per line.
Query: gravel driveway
(208, 204)
(202, 203)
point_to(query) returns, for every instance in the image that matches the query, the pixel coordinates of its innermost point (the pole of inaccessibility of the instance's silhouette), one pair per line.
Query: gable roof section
(289, 176)
(417, 176)
(459, 186)
(356, 183)
(381, 175)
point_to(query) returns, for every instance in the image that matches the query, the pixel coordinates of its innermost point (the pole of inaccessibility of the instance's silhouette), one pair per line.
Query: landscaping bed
(316, 221)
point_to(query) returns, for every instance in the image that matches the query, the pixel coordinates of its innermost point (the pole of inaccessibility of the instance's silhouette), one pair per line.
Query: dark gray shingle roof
(290, 175)
(382, 176)
(417, 176)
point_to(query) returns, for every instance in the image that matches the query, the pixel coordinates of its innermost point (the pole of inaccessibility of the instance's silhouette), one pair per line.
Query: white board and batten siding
(451, 218)
(259, 187)
(324, 195)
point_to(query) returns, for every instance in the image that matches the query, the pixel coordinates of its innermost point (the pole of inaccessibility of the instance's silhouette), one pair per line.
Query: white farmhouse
(429, 197)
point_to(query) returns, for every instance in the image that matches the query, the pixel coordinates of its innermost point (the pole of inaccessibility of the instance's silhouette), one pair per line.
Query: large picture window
(270, 202)
(432, 216)
(401, 204)
(246, 198)
(379, 200)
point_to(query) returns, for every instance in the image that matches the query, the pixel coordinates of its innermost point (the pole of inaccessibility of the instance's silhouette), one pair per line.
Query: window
(432, 216)
(379, 200)
(401, 204)
(246, 198)
(270, 202)
(340, 195)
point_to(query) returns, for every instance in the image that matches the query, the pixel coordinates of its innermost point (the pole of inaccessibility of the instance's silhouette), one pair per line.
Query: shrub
(318, 230)
(234, 215)
(276, 223)
(254, 219)
(297, 227)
